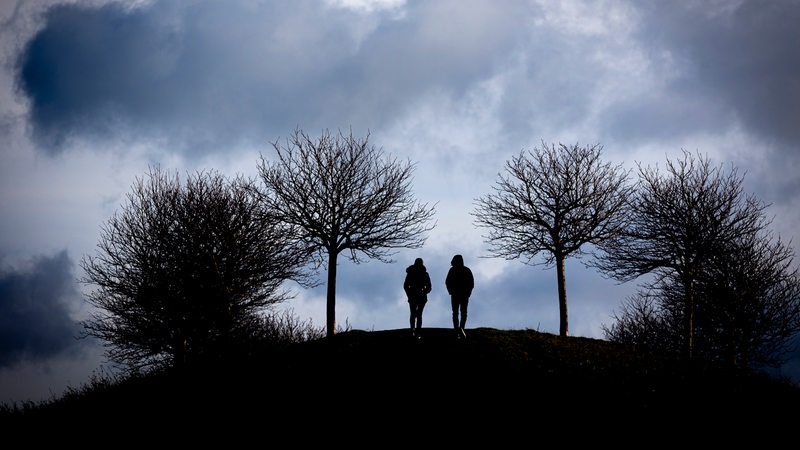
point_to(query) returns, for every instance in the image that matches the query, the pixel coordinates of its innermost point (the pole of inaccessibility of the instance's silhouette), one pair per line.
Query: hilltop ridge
(497, 378)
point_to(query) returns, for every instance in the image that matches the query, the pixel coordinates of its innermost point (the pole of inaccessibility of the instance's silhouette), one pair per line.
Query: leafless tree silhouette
(553, 201)
(682, 222)
(341, 194)
(746, 306)
(183, 270)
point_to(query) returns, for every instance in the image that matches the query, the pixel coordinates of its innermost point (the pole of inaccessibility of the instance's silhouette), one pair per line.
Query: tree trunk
(562, 296)
(689, 324)
(331, 305)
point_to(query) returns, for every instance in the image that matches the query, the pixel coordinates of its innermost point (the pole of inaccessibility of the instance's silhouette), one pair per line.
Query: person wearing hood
(417, 285)
(460, 283)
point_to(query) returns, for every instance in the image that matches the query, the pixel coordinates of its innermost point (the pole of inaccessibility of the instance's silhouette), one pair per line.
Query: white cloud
(367, 6)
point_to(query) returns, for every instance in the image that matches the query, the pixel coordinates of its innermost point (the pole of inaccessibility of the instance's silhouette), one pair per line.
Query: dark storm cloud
(741, 60)
(34, 317)
(204, 75)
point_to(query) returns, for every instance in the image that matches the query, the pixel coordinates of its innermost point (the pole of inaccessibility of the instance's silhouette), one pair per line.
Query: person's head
(457, 260)
(418, 262)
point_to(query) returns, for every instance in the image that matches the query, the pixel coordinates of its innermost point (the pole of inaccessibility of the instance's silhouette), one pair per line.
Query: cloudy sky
(94, 92)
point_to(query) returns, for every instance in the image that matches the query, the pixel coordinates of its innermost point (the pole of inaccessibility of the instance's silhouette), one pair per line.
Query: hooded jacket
(417, 284)
(459, 281)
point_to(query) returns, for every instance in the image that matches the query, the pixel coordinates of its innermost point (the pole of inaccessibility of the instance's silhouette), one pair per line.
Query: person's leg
(463, 308)
(463, 323)
(411, 317)
(454, 306)
(420, 308)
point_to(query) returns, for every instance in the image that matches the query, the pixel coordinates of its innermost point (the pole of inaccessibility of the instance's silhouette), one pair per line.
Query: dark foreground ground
(386, 389)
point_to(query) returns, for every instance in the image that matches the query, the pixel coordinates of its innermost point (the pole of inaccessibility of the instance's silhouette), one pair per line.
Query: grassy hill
(497, 385)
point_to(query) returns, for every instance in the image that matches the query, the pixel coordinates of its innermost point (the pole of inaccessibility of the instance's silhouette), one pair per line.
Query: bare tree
(747, 308)
(342, 195)
(680, 222)
(553, 201)
(749, 303)
(183, 270)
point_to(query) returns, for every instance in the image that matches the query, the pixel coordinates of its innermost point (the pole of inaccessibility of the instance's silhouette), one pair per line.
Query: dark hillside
(498, 384)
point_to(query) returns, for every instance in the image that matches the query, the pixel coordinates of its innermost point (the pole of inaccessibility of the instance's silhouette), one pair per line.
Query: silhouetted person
(459, 284)
(417, 286)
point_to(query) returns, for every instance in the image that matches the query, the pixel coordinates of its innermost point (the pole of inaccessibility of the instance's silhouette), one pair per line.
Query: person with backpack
(417, 286)
(460, 283)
